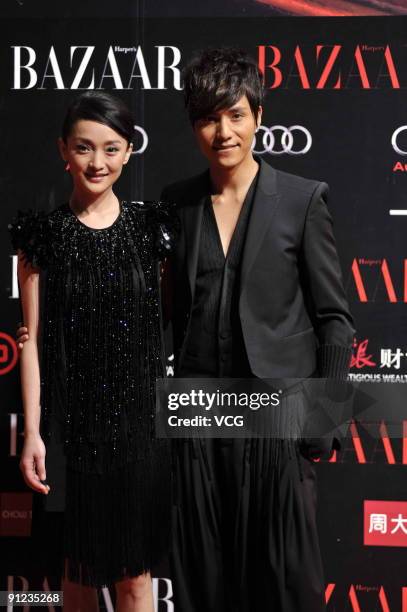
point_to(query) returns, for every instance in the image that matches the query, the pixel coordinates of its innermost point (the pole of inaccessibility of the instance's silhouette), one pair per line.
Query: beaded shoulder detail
(160, 220)
(45, 236)
(30, 232)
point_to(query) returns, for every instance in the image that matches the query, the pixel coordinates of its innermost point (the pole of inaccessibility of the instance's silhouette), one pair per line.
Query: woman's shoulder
(32, 232)
(158, 220)
(151, 212)
(148, 206)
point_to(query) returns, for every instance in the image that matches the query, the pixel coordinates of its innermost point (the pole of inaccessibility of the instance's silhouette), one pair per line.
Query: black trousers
(244, 529)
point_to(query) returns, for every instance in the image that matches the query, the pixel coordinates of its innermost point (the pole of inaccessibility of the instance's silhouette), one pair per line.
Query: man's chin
(227, 162)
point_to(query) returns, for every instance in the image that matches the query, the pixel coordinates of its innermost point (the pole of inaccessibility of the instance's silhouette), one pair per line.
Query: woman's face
(96, 155)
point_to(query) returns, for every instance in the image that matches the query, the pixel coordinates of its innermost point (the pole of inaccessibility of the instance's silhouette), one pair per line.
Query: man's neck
(234, 179)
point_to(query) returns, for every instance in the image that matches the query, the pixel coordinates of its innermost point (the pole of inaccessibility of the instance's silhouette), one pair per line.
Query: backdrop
(335, 111)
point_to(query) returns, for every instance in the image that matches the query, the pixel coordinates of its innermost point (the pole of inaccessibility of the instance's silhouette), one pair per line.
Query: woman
(89, 284)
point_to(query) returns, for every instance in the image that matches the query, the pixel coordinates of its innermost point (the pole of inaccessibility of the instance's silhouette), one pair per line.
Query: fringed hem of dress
(117, 526)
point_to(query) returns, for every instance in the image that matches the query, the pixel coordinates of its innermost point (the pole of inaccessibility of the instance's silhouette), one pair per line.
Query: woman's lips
(95, 178)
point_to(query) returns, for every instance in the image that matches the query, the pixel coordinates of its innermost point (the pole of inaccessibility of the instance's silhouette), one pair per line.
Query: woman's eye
(112, 149)
(82, 148)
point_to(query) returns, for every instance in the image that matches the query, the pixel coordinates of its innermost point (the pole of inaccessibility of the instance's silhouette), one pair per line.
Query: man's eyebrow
(236, 108)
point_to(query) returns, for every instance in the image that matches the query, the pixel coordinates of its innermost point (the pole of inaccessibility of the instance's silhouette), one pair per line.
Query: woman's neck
(89, 203)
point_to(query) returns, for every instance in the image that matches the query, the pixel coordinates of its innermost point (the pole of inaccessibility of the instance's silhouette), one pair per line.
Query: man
(257, 292)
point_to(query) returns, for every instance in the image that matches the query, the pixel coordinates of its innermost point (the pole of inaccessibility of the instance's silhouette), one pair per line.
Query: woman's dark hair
(101, 107)
(217, 78)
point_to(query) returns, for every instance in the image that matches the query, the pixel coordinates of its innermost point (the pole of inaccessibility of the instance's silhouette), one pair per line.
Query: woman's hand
(32, 463)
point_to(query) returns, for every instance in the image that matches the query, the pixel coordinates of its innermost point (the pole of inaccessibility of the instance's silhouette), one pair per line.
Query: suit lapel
(265, 203)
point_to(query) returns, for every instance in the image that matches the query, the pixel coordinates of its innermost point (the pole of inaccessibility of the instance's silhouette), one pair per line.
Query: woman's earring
(67, 167)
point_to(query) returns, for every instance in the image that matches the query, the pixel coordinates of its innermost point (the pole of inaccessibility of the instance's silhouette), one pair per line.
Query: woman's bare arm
(32, 462)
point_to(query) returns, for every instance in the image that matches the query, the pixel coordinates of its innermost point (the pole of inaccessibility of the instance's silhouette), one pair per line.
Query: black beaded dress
(100, 355)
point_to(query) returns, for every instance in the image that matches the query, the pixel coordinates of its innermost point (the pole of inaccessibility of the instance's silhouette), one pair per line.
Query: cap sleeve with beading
(163, 224)
(30, 233)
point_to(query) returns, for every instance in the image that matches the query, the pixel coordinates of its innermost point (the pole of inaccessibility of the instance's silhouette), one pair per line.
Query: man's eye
(237, 116)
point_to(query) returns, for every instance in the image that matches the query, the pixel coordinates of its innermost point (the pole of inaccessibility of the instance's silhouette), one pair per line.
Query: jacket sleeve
(325, 294)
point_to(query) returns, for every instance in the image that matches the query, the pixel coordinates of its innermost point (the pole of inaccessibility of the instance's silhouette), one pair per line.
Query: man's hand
(319, 448)
(22, 336)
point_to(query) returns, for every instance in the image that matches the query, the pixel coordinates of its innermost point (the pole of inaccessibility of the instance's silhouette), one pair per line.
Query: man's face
(225, 136)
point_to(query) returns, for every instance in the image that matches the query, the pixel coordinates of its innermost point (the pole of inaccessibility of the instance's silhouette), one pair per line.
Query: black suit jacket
(292, 305)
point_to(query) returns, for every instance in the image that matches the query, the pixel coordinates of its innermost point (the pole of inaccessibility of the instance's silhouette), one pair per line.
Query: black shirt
(215, 345)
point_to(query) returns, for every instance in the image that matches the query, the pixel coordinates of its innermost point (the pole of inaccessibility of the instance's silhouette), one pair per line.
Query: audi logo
(279, 139)
(394, 138)
(144, 143)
